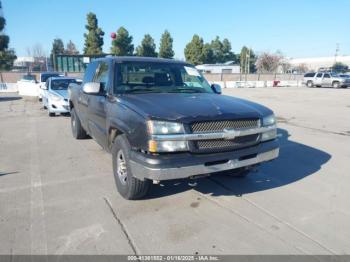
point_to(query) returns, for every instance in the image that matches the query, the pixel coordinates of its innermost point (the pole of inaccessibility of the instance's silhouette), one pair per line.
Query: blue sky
(295, 27)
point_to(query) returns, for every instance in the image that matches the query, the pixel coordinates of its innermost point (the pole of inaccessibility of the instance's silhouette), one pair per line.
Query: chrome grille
(222, 144)
(219, 126)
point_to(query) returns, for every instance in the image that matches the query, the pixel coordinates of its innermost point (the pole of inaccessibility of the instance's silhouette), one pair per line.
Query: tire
(51, 114)
(128, 186)
(335, 84)
(77, 129)
(309, 84)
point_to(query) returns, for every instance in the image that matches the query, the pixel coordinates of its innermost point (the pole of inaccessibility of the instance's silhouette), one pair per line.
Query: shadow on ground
(296, 161)
(8, 173)
(9, 98)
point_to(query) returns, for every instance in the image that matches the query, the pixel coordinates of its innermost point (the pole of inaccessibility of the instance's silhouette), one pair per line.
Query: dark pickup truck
(162, 120)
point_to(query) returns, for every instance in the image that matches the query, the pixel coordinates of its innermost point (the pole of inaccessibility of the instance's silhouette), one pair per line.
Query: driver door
(97, 105)
(327, 80)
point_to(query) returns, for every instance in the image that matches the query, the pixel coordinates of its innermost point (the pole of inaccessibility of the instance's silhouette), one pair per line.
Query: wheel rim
(121, 167)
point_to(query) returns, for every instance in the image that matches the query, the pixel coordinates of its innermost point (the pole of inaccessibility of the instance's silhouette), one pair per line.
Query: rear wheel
(309, 84)
(77, 129)
(128, 186)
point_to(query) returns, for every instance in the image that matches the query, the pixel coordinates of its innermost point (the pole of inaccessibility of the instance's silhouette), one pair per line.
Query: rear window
(46, 76)
(309, 75)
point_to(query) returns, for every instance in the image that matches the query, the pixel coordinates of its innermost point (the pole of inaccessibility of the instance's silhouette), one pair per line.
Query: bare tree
(302, 68)
(268, 63)
(38, 53)
(71, 49)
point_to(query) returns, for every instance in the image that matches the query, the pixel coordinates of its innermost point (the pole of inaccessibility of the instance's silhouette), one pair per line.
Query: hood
(187, 108)
(63, 93)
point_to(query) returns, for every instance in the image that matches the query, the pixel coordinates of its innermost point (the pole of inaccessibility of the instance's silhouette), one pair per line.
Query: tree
(339, 67)
(71, 49)
(217, 48)
(166, 46)
(228, 55)
(247, 56)
(268, 63)
(301, 69)
(208, 55)
(57, 47)
(222, 51)
(194, 51)
(7, 56)
(38, 53)
(122, 44)
(93, 37)
(147, 47)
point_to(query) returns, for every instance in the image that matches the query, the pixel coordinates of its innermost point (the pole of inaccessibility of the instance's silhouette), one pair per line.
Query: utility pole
(336, 52)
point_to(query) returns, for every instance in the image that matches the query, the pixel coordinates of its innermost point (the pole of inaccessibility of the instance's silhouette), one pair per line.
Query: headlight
(269, 120)
(167, 146)
(164, 128)
(269, 135)
(54, 97)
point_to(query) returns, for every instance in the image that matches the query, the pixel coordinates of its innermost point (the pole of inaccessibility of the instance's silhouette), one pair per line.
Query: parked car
(162, 120)
(55, 95)
(27, 86)
(42, 81)
(325, 79)
(344, 75)
(28, 78)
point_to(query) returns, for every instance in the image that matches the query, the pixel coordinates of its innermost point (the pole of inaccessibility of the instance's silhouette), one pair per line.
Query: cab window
(319, 75)
(101, 76)
(327, 76)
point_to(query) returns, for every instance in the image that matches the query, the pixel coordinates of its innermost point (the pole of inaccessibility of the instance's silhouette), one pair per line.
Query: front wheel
(77, 129)
(128, 186)
(335, 84)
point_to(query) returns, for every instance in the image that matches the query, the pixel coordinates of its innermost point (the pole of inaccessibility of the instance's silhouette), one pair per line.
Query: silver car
(55, 95)
(325, 79)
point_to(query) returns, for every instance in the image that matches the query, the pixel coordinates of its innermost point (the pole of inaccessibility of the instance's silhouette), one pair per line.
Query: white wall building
(226, 68)
(315, 63)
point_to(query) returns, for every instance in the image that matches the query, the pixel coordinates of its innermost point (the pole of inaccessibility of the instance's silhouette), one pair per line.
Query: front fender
(123, 120)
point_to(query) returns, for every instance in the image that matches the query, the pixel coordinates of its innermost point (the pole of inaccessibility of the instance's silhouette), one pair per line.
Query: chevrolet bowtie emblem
(229, 133)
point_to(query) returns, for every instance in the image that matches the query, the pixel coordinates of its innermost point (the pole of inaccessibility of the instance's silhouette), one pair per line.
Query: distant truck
(325, 79)
(162, 120)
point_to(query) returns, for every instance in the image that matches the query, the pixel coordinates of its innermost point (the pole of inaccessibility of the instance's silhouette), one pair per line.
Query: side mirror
(92, 88)
(216, 88)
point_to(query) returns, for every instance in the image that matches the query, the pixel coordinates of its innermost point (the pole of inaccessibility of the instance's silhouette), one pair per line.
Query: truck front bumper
(184, 165)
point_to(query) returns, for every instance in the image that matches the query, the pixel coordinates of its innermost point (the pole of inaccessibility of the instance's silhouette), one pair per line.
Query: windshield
(29, 77)
(62, 84)
(46, 76)
(146, 77)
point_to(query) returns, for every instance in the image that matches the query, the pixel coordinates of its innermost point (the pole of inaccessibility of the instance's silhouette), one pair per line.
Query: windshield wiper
(190, 90)
(141, 90)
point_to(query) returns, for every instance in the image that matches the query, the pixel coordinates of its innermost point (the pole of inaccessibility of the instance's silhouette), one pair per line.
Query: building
(317, 63)
(226, 68)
